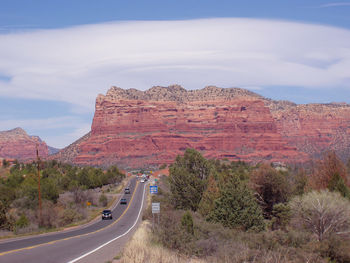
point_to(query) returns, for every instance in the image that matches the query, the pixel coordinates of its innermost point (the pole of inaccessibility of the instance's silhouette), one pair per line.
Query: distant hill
(53, 150)
(17, 144)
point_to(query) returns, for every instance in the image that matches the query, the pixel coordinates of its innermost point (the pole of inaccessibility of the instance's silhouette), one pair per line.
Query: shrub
(49, 215)
(335, 249)
(172, 235)
(69, 216)
(212, 192)
(3, 215)
(281, 215)
(5, 163)
(194, 163)
(337, 183)
(187, 222)
(103, 200)
(163, 166)
(272, 187)
(323, 213)
(22, 222)
(50, 189)
(237, 207)
(186, 188)
(326, 169)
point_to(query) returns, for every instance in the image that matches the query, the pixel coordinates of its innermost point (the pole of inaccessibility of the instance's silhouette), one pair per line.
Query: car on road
(107, 214)
(123, 201)
(142, 180)
(127, 190)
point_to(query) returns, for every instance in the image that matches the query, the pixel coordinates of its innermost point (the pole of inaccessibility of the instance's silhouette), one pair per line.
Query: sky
(57, 56)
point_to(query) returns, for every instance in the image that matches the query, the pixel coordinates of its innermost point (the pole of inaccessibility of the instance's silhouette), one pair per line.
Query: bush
(186, 188)
(49, 215)
(281, 215)
(335, 249)
(49, 189)
(103, 200)
(3, 216)
(5, 163)
(212, 193)
(272, 187)
(172, 235)
(237, 207)
(22, 222)
(337, 183)
(187, 222)
(323, 213)
(326, 169)
(163, 166)
(69, 216)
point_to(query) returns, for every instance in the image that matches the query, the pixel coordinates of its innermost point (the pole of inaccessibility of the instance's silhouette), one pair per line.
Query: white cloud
(48, 123)
(75, 64)
(338, 4)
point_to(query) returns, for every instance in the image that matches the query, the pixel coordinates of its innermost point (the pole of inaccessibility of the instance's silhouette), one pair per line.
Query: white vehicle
(142, 180)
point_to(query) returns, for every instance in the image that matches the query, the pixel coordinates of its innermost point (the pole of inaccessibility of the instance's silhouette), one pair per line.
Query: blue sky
(56, 56)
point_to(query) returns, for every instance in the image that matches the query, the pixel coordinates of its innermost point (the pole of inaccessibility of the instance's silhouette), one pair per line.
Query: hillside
(17, 144)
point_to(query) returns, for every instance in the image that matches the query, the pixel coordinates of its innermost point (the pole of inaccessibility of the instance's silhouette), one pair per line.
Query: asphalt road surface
(79, 244)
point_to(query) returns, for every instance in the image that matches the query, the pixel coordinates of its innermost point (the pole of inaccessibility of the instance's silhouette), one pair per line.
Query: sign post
(155, 210)
(153, 189)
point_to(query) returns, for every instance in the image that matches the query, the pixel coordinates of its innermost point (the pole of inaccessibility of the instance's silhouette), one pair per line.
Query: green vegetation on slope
(234, 212)
(65, 191)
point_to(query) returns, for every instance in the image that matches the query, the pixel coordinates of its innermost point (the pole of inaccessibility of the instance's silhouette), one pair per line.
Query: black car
(123, 201)
(127, 191)
(107, 214)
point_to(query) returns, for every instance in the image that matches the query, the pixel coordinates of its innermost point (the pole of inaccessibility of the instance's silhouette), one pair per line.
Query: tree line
(19, 187)
(264, 199)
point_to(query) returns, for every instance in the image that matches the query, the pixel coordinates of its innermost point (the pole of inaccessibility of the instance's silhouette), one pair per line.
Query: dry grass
(140, 249)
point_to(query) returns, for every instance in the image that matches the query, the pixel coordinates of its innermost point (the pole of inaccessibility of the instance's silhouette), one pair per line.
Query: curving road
(86, 244)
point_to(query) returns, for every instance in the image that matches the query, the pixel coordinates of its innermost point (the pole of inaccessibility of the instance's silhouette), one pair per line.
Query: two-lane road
(82, 243)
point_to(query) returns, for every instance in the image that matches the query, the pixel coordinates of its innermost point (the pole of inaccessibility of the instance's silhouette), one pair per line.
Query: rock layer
(132, 128)
(135, 128)
(17, 144)
(315, 128)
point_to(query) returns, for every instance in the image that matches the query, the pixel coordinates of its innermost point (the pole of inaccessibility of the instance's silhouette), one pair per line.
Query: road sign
(153, 189)
(155, 208)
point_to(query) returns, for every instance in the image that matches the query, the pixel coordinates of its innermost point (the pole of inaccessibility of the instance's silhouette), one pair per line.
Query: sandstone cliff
(17, 144)
(135, 128)
(315, 128)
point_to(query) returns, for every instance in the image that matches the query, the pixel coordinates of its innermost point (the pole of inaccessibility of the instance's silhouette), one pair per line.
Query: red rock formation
(134, 128)
(17, 144)
(315, 128)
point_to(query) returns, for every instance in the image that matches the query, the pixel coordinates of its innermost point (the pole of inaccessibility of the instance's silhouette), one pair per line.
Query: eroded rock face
(17, 144)
(315, 128)
(132, 128)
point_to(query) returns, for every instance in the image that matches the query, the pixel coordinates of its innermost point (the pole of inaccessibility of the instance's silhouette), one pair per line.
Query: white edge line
(108, 242)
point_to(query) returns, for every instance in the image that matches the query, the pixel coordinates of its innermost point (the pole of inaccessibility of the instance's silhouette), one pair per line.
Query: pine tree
(237, 207)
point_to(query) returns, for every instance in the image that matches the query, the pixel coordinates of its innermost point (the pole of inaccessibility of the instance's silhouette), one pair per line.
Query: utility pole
(39, 192)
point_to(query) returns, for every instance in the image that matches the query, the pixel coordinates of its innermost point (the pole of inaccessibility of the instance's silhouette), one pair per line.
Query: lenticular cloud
(74, 64)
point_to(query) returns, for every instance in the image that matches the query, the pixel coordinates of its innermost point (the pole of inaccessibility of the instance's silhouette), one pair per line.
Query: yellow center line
(67, 238)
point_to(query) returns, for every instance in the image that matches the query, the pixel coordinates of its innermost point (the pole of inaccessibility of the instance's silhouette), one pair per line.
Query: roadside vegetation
(220, 211)
(69, 194)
